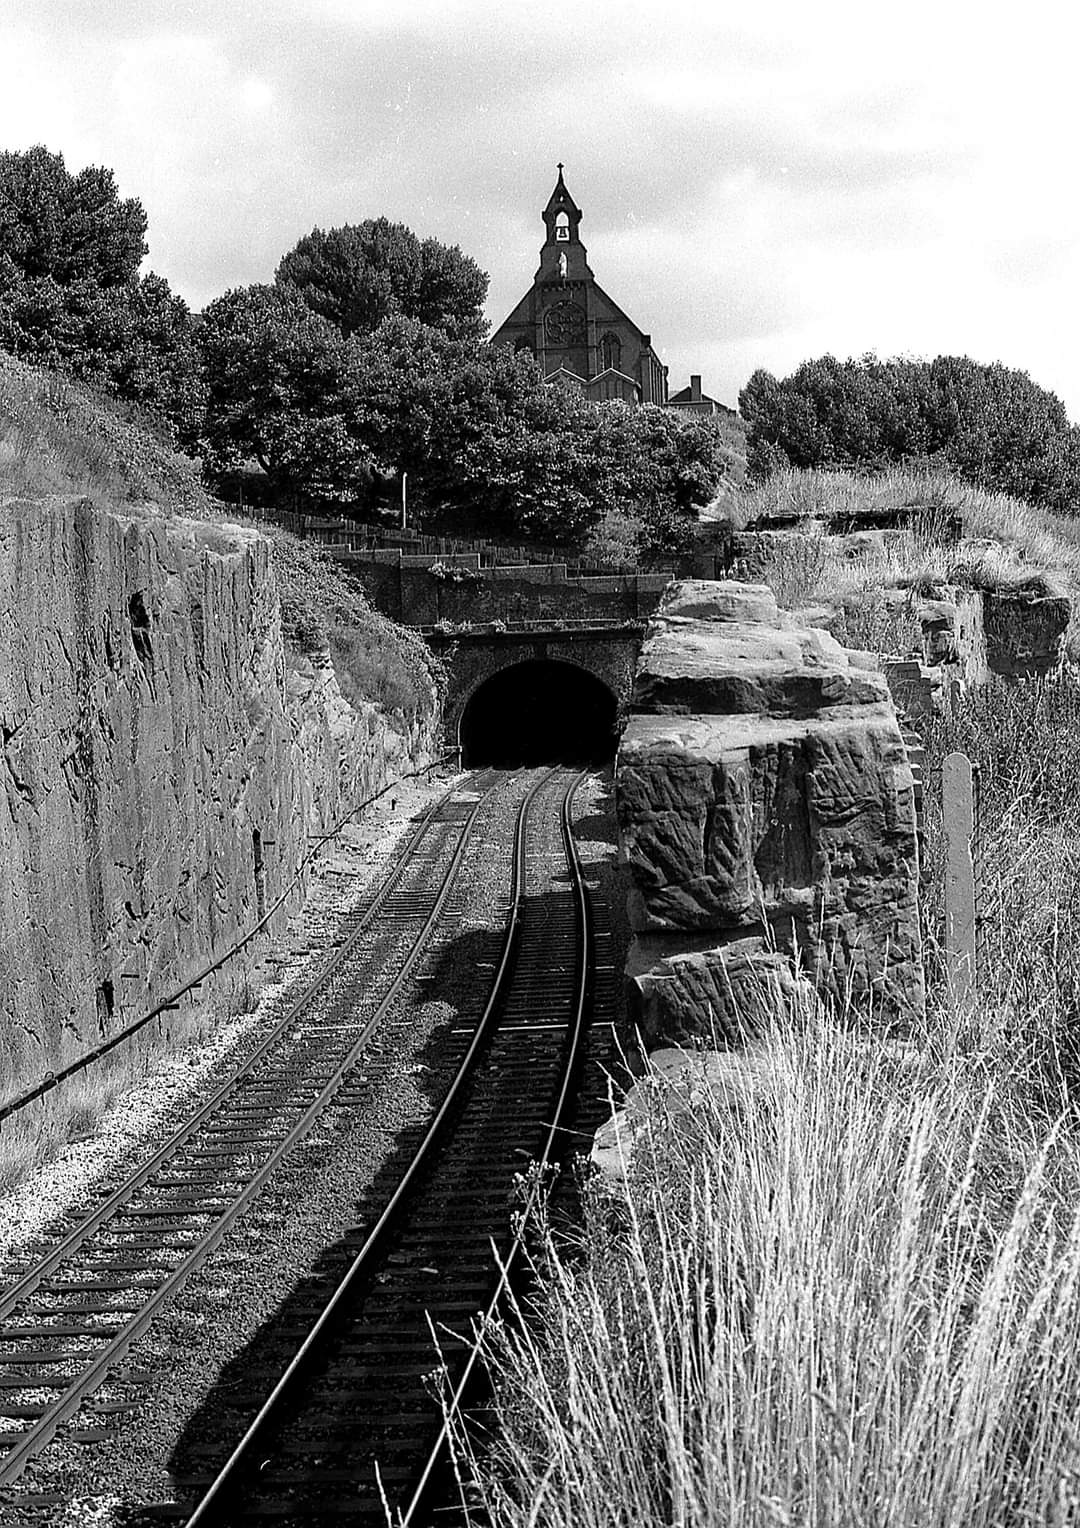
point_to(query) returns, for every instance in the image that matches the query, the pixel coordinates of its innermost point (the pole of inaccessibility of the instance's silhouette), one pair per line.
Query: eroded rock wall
(766, 812)
(163, 767)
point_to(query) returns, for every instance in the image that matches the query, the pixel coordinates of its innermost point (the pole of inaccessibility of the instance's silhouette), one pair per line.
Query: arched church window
(610, 352)
(565, 324)
(562, 226)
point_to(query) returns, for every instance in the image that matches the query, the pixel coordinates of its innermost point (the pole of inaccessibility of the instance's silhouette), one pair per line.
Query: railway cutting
(346, 1421)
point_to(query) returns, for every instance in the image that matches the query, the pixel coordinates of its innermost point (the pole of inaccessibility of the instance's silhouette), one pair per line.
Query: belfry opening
(538, 712)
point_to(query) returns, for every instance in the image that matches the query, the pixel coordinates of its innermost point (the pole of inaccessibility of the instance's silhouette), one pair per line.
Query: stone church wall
(157, 752)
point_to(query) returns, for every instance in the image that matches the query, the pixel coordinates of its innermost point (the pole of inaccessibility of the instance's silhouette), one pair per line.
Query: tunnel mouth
(540, 711)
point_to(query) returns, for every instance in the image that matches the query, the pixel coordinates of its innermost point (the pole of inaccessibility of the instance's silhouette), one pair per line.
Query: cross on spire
(559, 166)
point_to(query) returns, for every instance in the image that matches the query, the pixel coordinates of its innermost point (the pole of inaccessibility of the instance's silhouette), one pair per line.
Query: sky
(760, 182)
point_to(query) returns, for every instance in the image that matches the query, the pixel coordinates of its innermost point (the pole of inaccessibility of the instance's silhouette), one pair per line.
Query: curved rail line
(113, 1270)
(350, 1424)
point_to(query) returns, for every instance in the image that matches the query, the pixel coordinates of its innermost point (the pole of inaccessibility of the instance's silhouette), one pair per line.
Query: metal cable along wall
(53, 1080)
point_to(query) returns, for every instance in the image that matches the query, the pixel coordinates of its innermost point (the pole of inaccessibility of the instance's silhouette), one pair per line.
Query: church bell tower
(562, 257)
(577, 334)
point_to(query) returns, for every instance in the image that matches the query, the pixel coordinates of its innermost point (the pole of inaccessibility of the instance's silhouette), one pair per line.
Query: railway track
(70, 1317)
(351, 1427)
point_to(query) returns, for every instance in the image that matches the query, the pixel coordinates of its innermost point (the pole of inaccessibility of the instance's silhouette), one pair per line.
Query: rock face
(1025, 634)
(162, 767)
(766, 813)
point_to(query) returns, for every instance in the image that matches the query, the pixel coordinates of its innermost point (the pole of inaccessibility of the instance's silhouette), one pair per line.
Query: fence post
(958, 812)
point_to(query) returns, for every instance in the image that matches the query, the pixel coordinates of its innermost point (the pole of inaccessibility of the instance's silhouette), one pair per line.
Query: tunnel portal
(538, 712)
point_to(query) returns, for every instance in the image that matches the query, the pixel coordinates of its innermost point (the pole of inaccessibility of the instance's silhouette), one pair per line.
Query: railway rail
(72, 1315)
(351, 1427)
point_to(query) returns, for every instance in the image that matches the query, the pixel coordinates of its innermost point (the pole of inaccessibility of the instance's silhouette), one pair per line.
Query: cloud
(757, 184)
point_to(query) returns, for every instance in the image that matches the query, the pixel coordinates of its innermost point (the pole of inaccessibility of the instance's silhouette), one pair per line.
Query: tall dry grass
(850, 1293)
(850, 1296)
(956, 534)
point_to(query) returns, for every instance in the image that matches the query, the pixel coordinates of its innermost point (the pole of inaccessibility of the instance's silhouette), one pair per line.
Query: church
(573, 328)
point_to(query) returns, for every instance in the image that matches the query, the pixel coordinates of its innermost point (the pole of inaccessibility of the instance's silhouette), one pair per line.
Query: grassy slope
(57, 438)
(956, 535)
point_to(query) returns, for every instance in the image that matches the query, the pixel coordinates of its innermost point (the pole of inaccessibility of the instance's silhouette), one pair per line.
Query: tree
(278, 388)
(70, 292)
(357, 276)
(69, 228)
(991, 424)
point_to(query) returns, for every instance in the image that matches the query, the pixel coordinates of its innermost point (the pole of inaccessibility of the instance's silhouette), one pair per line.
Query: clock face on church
(564, 324)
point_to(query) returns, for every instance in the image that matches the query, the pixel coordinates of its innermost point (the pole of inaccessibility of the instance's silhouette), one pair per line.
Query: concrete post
(958, 812)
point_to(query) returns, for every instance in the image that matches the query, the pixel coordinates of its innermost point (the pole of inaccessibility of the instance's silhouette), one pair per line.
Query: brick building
(693, 401)
(573, 328)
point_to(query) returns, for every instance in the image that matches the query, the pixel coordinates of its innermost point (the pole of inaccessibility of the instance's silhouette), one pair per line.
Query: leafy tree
(991, 424)
(359, 275)
(68, 227)
(278, 388)
(71, 296)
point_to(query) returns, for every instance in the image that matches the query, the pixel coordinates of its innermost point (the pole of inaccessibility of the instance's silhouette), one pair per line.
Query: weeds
(795, 570)
(57, 437)
(875, 624)
(853, 1298)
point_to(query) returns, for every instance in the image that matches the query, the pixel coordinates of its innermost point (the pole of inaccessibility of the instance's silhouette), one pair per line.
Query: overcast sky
(760, 183)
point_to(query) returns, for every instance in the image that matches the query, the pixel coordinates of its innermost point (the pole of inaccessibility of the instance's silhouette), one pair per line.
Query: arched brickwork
(472, 657)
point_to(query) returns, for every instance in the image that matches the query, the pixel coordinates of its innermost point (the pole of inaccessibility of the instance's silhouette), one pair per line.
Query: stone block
(763, 791)
(674, 984)
(723, 824)
(701, 600)
(690, 665)
(1025, 636)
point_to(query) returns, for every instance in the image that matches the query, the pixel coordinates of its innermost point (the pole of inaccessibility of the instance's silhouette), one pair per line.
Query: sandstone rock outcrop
(1024, 633)
(162, 766)
(766, 813)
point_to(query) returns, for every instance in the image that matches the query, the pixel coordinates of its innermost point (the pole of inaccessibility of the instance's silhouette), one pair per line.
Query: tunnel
(538, 712)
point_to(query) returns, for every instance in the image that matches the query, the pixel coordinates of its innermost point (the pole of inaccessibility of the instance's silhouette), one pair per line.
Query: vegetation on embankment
(990, 424)
(850, 1294)
(940, 533)
(60, 438)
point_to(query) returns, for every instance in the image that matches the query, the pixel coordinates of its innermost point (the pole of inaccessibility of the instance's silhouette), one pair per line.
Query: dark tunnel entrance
(539, 712)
